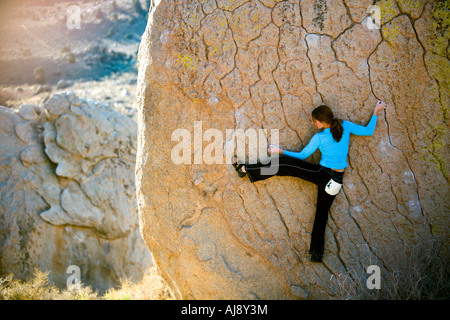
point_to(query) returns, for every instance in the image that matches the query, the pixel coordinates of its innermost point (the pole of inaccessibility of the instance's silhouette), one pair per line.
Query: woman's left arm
(305, 153)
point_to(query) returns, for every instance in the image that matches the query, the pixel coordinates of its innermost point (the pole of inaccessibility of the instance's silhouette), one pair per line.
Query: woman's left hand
(274, 149)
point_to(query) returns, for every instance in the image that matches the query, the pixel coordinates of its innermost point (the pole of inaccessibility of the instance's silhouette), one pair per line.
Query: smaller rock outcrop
(67, 192)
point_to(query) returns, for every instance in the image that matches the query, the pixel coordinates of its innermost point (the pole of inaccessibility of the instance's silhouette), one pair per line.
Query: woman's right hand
(379, 106)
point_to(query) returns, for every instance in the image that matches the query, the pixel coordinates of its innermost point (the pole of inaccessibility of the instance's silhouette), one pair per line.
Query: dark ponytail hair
(324, 114)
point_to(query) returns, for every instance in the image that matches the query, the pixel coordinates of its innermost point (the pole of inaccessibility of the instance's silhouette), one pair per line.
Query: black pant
(317, 174)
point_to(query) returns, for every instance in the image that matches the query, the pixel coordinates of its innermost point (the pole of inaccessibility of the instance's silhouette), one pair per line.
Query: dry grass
(422, 275)
(151, 287)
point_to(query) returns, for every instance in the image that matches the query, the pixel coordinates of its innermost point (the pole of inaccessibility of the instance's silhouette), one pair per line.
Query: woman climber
(333, 143)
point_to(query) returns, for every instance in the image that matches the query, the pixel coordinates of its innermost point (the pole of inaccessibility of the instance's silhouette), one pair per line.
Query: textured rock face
(68, 192)
(268, 64)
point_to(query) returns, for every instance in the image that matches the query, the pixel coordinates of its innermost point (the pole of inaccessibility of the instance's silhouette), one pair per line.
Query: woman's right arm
(379, 106)
(368, 130)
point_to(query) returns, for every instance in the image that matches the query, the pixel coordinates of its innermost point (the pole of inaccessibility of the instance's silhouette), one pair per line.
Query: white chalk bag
(333, 187)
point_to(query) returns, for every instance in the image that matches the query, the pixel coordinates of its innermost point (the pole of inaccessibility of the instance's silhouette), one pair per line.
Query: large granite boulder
(266, 65)
(68, 194)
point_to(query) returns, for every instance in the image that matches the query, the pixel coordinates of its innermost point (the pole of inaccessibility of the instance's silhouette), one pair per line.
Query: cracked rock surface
(266, 65)
(68, 194)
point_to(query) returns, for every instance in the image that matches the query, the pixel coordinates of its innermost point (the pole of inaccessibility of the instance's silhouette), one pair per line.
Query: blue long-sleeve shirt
(334, 154)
